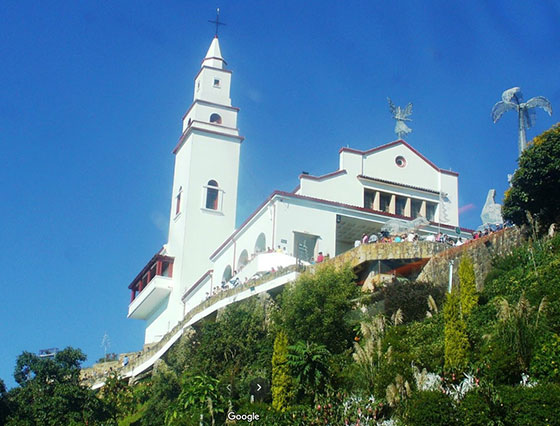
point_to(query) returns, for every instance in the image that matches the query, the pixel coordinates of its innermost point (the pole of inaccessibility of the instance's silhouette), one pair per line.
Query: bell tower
(204, 194)
(204, 201)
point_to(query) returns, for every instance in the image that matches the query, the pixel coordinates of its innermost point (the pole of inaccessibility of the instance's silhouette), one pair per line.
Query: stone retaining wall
(481, 252)
(379, 251)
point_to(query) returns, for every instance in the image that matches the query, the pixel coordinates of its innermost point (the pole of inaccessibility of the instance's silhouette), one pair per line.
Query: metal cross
(217, 21)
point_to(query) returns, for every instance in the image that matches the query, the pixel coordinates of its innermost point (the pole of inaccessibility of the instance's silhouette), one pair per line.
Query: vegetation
(467, 286)
(281, 380)
(536, 181)
(50, 392)
(456, 340)
(316, 309)
(489, 357)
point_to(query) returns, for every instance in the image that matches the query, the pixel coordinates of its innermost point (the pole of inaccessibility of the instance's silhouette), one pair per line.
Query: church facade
(324, 214)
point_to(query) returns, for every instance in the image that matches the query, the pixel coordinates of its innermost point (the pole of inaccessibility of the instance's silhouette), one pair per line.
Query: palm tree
(513, 99)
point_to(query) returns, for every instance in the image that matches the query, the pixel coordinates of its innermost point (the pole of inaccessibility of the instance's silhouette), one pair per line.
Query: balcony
(150, 287)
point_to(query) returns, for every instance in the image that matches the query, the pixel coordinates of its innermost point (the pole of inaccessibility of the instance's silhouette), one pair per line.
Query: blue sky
(91, 100)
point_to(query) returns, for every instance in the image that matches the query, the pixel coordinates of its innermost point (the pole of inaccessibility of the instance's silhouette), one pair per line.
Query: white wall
(245, 239)
(343, 188)
(348, 189)
(203, 111)
(300, 216)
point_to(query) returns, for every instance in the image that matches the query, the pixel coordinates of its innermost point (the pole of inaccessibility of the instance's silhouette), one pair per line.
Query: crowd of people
(235, 282)
(440, 237)
(373, 238)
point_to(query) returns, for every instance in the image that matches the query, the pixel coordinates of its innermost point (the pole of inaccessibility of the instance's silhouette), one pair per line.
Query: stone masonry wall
(481, 252)
(404, 250)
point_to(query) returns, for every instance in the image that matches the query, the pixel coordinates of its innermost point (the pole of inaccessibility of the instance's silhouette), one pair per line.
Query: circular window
(400, 161)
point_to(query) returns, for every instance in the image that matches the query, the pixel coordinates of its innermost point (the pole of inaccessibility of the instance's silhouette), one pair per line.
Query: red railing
(158, 265)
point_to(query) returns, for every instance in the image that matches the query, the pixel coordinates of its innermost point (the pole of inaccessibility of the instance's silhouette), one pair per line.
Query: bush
(314, 308)
(411, 298)
(467, 286)
(456, 341)
(539, 405)
(536, 179)
(546, 360)
(475, 409)
(282, 383)
(425, 343)
(429, 408)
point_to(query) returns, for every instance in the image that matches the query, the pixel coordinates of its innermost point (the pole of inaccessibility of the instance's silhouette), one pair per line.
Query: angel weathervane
(401, 115)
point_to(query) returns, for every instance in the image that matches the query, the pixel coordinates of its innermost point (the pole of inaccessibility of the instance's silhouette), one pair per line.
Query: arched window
(227, 274)
(216, 119)
(260, 244)
(212, 195)
(243, 259)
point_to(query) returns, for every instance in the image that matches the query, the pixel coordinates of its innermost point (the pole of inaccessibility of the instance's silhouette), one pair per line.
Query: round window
(400, 161)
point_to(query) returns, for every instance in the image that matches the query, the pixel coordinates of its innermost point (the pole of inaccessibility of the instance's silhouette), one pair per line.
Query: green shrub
(429, 408)
(545, 364)
(475, 409)
(456, 341)
(425, 343)
(539, 405)
(467, 286)
(315, 308)
(282, 383)
(411, 298)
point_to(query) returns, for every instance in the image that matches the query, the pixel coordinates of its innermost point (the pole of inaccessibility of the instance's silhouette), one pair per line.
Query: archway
(260, 244)
(243, 259)
(227, 274)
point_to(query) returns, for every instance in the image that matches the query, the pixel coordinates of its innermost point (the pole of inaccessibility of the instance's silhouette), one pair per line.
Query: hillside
(324, 355)
(325, 352)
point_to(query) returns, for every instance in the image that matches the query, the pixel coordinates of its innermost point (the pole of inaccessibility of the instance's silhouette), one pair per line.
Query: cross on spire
(217, 21)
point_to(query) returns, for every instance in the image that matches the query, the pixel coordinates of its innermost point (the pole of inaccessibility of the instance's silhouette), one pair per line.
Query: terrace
(150, 287)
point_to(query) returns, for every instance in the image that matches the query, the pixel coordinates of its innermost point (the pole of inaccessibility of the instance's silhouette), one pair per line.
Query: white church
(324, 214)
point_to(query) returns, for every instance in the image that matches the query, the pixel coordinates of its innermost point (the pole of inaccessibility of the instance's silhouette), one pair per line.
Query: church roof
(214, 57)
(398, 142)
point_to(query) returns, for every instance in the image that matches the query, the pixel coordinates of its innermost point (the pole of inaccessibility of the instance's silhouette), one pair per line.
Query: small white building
(324, 214)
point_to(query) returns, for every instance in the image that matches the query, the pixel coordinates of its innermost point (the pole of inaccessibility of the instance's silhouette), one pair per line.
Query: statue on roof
(401, 116)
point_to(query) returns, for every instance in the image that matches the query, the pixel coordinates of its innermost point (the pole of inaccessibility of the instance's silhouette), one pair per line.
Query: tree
(235, 346)
(50, 392)
(467, 286)
(309, 364)
(164, 389)
(281, 379)
(4, 410)
(199, 399)
(456, 341)
(535, 183)
(315, 308)
(118, 394)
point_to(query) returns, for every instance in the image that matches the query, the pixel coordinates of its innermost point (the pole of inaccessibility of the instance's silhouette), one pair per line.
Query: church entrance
(304, 246)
